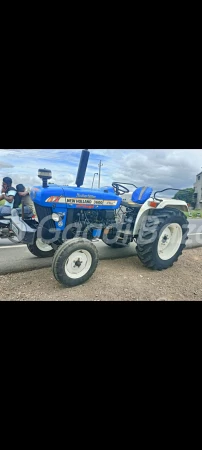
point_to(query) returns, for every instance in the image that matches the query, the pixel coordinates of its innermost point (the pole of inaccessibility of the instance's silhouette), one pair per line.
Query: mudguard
(163, 204)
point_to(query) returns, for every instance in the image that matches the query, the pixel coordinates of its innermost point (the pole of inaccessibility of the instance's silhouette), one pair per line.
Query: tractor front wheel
(75, 262)
(41, 249)
(162, 238)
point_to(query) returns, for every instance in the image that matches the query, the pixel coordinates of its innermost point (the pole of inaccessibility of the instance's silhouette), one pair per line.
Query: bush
(185, 194)
(194, 213)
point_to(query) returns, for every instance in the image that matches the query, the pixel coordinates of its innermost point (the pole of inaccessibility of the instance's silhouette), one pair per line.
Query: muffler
(82, 167)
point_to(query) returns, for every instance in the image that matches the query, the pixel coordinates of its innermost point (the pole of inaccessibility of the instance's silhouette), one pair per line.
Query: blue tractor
(69, 219)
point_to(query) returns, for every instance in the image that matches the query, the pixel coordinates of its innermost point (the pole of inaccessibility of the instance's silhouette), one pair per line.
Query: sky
(159, 169)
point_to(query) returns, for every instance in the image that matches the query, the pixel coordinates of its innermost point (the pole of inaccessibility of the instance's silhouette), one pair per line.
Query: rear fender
(143, 213)
(146, 209)
(170, 203)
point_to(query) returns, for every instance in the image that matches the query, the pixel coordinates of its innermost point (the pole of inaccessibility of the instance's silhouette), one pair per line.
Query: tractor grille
(43, 212)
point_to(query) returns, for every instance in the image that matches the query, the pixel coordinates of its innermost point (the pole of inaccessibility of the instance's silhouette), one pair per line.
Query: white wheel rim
(43, 246)
(78, 264)
(169, 241)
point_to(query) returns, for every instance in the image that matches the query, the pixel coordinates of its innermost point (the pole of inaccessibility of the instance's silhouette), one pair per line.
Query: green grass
(194, 214)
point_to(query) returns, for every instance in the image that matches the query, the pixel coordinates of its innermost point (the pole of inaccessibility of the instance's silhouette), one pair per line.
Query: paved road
(16, 257)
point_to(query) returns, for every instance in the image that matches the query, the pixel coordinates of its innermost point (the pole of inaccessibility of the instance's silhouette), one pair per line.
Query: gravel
(120, 279)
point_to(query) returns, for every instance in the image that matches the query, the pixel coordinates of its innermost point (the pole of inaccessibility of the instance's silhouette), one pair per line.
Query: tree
(186, 195)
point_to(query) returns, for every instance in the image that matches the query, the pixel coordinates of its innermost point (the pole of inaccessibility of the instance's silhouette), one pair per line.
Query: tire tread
(157, 220)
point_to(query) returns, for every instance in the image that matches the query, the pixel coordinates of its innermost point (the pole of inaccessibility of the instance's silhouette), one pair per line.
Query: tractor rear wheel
(162, 238)
(41, 249)
(75, 262)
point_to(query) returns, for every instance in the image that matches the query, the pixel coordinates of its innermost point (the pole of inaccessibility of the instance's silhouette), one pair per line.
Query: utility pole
(99, 165)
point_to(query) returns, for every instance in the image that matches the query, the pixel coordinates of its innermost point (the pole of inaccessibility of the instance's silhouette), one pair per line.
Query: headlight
(55, 217)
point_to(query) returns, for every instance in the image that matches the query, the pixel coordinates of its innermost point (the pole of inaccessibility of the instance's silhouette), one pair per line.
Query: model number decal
(81, 201)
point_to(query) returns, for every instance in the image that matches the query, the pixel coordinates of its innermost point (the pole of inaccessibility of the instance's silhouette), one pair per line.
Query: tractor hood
(39, 194)
(75, 197)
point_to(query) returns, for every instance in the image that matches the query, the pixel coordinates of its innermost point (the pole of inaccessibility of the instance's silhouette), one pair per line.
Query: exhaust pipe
(82, 167)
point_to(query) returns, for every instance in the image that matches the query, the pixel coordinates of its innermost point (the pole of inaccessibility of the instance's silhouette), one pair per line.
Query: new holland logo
(81, 201)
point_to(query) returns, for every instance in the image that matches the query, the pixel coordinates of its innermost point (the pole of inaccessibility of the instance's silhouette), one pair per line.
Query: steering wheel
(120, 189)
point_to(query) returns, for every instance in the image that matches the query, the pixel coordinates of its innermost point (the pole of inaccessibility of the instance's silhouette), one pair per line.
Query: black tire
(151, 232)
(36, 251)
(63, 254)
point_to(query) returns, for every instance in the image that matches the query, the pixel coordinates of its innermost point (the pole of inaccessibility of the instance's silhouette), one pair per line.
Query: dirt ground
(121, 279)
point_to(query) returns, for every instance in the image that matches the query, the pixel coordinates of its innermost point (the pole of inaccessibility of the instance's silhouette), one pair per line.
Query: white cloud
(4, 165)
(157, 168)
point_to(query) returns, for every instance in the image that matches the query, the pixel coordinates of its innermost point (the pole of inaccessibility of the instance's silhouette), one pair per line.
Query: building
(198, 191)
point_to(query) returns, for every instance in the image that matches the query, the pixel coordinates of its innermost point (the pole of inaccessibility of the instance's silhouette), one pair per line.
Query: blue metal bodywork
(63, 198)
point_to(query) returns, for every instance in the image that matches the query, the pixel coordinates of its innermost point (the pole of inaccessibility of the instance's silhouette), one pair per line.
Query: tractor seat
(141, 195)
